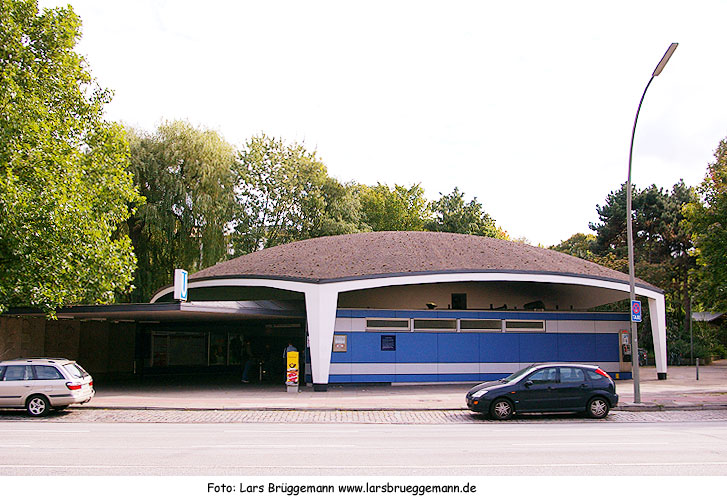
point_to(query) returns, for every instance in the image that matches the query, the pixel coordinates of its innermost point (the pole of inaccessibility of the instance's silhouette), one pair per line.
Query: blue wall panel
(459, 347)
(538, 347)
(416, 347)
(366, 347)
(499, 347)
(607, 347)
(573, 347)
(473, 377)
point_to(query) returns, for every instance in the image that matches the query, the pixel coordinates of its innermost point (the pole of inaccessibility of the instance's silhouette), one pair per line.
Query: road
(527, 448)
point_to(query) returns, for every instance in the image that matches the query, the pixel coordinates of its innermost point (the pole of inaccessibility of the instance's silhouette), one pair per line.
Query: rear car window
(571, 375)
(47, 373)
(75, 370)
(595, 376)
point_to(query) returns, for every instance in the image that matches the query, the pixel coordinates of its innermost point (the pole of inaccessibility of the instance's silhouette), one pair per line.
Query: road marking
(287, 446)
(365, 467)
(44, 431)
(609, 443)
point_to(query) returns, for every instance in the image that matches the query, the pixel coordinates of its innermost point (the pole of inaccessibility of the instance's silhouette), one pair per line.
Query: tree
(707, 221)
(453, 215)
(398, 209)
(578, 245)
(63, 184)
(186, 176)
(283, 194)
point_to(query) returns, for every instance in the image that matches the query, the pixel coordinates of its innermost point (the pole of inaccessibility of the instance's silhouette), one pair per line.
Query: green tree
(707, 219)
(578, 245)
(63, 184)
(398, 209)
(283, 194)
(452, 215)
(186, 176)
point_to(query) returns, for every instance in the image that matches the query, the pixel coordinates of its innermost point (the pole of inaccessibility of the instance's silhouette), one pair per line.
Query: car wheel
(501, 409)
(37, 406)
(597, 407)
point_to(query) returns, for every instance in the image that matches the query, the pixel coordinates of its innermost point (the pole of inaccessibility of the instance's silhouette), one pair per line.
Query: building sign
(340, 343)
(180, 284)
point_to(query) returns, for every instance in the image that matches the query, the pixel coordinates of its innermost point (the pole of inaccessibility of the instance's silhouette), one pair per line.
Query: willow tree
(186, 177)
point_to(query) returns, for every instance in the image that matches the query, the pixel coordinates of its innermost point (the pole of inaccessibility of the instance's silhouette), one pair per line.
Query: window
(525, 325)
(459, 301)
(547, 375)
(435, 324)
(480, 325)
(388, 342)
(47, 373)
(75, 370)
(17, 373)
(388, 324)
(595, 376)
(571, 375)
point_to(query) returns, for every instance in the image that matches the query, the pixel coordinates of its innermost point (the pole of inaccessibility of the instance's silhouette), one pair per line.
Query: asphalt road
(531, 448)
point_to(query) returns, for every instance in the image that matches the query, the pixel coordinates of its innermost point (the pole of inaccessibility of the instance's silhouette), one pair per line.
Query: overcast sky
(526, 105)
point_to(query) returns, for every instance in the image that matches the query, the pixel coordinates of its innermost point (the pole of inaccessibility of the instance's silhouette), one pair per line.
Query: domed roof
(395, 253)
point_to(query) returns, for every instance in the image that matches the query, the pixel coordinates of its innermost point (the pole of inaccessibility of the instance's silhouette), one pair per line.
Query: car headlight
(479, 394)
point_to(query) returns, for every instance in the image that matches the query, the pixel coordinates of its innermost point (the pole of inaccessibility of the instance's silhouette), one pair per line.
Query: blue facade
(459, 355)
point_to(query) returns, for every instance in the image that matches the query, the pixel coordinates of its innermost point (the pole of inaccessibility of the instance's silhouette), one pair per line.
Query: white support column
(657, 312)
(321, 302)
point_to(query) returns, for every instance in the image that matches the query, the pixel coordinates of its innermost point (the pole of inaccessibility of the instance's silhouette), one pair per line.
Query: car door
(537, 390)
(15, 385)
(573, 389)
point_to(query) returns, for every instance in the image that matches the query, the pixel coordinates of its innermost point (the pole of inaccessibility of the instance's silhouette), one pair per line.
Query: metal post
(629, 231)
(697, 368)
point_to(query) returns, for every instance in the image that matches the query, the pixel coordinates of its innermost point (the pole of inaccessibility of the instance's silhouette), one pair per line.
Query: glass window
(47, 373)
(572, 375)
(547, 375)
(480, 325)
(525, 325)
(75, 370)
(435, 324)
(595, 376)
(389, 324)
(17, 373)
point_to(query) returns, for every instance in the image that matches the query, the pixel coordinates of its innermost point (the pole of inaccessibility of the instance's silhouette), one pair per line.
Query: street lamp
(629, 231)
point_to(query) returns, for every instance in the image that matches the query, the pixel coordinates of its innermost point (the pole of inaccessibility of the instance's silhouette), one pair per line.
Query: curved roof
(396, 253)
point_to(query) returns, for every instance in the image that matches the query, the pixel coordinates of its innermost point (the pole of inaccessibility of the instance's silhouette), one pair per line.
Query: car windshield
(75, 370)
(516, 375)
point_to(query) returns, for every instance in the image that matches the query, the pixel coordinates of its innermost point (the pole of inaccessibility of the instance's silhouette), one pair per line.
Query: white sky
(526, 105)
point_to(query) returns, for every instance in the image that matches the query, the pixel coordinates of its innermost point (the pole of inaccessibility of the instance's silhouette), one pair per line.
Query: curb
(626, 407)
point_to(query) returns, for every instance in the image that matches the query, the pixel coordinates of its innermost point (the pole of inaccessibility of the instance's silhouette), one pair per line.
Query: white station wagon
(39, 384)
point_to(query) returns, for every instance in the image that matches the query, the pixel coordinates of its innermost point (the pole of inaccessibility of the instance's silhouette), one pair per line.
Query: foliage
(63, 184)
(707, 220)
(452, 215)
(398, 209)
(578, 245)
(662, 244)
(186, 176)
(283, 194)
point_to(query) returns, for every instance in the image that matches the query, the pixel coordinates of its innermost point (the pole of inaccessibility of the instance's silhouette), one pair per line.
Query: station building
(385, 307)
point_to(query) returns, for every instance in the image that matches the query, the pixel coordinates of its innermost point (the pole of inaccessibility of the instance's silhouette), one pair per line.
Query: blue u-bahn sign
(635, 311)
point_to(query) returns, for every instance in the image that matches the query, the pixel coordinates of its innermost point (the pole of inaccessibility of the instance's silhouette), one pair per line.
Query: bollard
(697, 368)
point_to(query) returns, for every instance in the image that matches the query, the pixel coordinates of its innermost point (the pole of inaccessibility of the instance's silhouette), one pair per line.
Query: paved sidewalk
(681, 391)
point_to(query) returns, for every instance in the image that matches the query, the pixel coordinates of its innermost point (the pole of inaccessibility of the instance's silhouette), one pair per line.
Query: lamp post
(629, 230)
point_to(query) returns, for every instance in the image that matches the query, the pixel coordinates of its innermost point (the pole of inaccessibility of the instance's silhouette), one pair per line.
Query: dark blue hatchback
(550, 387)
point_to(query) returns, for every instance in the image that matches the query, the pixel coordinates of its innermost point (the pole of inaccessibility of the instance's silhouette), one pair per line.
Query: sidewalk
(681, 391)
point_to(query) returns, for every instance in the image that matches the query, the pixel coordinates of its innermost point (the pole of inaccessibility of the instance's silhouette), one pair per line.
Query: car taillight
(602, 373)
(90, 384)
(73, 386)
